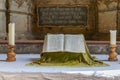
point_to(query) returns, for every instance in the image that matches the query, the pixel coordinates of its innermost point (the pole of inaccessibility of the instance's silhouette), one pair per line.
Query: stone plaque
(63, 16)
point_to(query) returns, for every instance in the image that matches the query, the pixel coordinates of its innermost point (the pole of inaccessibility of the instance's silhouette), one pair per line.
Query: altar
(19, 68)
(33, 19)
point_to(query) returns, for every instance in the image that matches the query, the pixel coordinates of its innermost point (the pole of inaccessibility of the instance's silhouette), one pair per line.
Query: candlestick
(112, 54)
(11, 54)
(113, 37)
(11, 34)
(11, 42)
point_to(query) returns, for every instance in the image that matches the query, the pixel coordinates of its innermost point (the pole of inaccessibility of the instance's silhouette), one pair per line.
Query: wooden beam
(7, 5)
(118, 13)
(96, 15)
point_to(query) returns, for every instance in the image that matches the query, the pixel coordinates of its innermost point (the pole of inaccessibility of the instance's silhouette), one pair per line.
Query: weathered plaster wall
(107, 15)
(103, 15)
(21, 14)
(2, 20)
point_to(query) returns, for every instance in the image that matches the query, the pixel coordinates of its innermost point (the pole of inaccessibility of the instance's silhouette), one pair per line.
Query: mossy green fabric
(68, 59)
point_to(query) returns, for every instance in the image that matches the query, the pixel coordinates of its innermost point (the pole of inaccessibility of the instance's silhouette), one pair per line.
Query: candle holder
(113, 53)
(11, 54)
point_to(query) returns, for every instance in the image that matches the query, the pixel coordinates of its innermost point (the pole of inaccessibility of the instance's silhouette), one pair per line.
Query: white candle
(113, 37)
(11, 34)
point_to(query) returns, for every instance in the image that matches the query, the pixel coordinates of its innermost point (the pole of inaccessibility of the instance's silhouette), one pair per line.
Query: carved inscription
(63, 16)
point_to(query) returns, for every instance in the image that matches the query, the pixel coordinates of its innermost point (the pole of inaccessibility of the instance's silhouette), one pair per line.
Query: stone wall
(35, 47)
(20, 12)
(23, 47)
(107, 15)
(2, 20)
(103, 15)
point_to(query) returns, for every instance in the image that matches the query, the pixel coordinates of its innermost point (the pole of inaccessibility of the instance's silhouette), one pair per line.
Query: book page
(55, 42)
(74, 43)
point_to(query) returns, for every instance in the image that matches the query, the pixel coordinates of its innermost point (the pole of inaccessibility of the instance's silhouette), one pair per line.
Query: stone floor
(52, 76)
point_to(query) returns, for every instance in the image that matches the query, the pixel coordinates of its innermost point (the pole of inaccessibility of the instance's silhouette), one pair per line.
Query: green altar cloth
(68, 59)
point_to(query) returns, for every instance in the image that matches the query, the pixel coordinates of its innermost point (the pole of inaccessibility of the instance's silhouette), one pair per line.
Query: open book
(64, 43)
